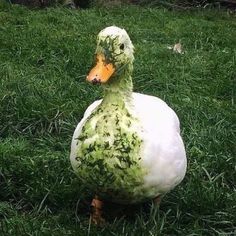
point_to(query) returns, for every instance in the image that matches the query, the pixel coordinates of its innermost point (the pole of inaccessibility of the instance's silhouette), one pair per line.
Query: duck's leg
(156, 205)
(96, 211)
(157, 201)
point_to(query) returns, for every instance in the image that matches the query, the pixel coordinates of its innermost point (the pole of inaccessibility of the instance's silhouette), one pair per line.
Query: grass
(44, 57)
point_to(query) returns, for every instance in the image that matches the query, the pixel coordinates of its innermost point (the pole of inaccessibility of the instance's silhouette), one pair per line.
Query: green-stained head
(114, 53)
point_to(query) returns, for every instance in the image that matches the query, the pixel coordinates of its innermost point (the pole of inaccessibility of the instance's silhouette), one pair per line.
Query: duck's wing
(155, 112)
(163, 151)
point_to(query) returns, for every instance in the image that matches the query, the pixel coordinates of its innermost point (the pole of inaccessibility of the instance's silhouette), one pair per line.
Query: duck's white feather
(164, 153)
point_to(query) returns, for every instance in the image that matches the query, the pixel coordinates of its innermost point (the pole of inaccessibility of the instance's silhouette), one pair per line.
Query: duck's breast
(78, 130)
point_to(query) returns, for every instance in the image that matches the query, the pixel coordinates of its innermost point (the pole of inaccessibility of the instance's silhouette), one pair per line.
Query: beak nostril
(96, 81)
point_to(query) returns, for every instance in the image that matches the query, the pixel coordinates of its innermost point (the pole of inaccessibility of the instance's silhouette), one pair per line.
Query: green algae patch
(108, 154)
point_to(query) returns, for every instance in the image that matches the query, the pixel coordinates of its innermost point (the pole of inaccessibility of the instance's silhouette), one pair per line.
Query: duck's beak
(101, 72)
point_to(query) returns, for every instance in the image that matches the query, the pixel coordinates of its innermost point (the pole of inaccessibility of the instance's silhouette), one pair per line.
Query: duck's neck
(119, 90)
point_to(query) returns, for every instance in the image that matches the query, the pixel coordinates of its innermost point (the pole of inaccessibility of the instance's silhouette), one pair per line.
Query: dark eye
(122, 46)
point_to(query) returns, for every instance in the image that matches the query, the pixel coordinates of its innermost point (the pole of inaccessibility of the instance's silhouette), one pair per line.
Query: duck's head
(114, 54)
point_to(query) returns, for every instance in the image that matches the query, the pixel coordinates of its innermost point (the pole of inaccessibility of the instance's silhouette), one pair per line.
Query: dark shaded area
(186, 4)
(231, 4)
(175, 4)
(33, 3)
(46, 3)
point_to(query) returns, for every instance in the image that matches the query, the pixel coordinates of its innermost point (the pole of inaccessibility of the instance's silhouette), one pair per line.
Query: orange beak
(101, 72)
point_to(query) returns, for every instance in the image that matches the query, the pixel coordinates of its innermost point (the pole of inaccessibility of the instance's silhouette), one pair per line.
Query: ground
(44, 57)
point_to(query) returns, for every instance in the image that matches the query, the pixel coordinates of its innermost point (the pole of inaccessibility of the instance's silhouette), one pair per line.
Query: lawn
(44, 57)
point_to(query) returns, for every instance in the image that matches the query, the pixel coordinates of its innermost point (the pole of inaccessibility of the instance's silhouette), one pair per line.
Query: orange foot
(96, 212)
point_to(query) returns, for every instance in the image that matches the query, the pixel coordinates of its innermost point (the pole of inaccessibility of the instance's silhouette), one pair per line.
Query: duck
(127, 148)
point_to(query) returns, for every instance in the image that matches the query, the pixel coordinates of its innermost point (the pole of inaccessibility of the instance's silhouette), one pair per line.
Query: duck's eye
(122, 46)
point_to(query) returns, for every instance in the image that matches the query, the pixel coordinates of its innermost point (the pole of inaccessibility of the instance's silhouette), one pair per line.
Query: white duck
(127, 148)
